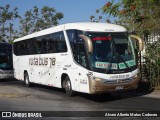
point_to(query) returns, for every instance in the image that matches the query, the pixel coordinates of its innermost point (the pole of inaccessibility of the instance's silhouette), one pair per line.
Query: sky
(73, 10)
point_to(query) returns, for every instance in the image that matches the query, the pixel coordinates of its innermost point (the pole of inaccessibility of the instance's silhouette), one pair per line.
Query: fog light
(136, 76)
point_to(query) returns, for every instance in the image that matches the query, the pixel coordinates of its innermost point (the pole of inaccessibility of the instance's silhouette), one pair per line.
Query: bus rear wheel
(26, 80)
(68, 86)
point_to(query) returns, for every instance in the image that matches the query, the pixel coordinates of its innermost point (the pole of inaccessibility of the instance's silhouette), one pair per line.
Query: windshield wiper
(117, 54)
(122, 59)
(107, 70)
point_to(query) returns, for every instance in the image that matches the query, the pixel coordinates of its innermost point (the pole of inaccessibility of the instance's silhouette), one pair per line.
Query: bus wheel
(68, 87)
(26, 80)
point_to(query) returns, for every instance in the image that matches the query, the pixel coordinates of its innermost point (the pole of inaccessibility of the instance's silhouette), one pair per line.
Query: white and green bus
(79, 57)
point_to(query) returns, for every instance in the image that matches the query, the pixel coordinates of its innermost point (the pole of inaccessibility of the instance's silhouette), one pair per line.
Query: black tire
(26, 80)
(68, 87)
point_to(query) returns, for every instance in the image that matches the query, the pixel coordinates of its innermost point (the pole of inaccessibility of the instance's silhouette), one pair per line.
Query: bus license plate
(119, 88)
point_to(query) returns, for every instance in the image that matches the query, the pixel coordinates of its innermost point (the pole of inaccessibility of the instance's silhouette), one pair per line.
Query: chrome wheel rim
(68, 86)
(27, 80)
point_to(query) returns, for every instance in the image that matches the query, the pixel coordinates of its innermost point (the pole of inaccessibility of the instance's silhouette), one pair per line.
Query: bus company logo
(42, 61)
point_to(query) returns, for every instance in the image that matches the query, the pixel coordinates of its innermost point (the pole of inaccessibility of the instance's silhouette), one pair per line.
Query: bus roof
(84, 26)
(96, 27)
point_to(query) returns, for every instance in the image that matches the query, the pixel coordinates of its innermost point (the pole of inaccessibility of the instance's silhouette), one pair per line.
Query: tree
(138, 16)
(26, 23)
(96, 18)
(36, 20)
(7, 17)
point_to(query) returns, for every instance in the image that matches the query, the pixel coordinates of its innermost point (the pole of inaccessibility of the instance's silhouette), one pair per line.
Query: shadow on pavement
(142, 90)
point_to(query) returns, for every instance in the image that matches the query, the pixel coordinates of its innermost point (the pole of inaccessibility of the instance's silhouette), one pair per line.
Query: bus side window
(45, 45)
(22, 48)
(16, 48)
(81, 52)
(37, 46)
(72, 39)
(51, 46)
(59, 43)
(62, 44)
(77, 46)
(29, 43)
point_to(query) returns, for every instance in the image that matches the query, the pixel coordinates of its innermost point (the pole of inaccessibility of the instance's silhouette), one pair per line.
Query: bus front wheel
(68, 86)
(26, 80)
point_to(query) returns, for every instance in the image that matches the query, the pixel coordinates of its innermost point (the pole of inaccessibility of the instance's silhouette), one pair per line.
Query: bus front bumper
(6, 74)
(97, 87)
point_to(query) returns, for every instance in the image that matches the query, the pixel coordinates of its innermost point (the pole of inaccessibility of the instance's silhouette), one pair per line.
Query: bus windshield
(6, 58)
(112, 53)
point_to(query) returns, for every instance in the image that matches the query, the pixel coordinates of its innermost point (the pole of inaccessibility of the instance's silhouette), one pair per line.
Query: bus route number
(52, 61)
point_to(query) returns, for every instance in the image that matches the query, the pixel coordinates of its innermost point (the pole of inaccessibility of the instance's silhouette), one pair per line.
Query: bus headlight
(98, 79)
(104, 80)
(95, 78)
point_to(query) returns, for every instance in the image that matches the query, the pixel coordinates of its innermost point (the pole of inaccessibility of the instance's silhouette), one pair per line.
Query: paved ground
(15, 96)
(154, 94)
(8, 87)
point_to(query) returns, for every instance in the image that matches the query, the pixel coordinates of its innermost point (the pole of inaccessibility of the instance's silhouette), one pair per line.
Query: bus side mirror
(88, 43)
(140, 41)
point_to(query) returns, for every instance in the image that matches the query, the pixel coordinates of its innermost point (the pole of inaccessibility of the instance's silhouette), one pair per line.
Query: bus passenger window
(59, 42)
(81, 54)
(37, 46)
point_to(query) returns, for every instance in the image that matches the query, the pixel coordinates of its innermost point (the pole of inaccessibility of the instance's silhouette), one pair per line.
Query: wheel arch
(25, 72)
(63, 76)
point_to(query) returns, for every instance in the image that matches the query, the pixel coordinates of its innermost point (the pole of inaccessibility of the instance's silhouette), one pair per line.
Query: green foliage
(39, 19)
(7, 17)
(95, 19)
(7, 14)
(152, 64)
(136, 15)
(33, 20)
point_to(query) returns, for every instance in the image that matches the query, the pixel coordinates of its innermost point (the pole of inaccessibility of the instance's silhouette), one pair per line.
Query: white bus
(6, 64)
(85, 57)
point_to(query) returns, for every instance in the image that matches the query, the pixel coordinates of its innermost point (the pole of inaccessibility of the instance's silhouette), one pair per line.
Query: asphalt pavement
(15, 96)
(8, 87)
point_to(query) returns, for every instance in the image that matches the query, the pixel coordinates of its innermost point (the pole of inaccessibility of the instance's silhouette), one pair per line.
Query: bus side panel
(18, 67)
(41, 68)
(83, 79)
(66, 66)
